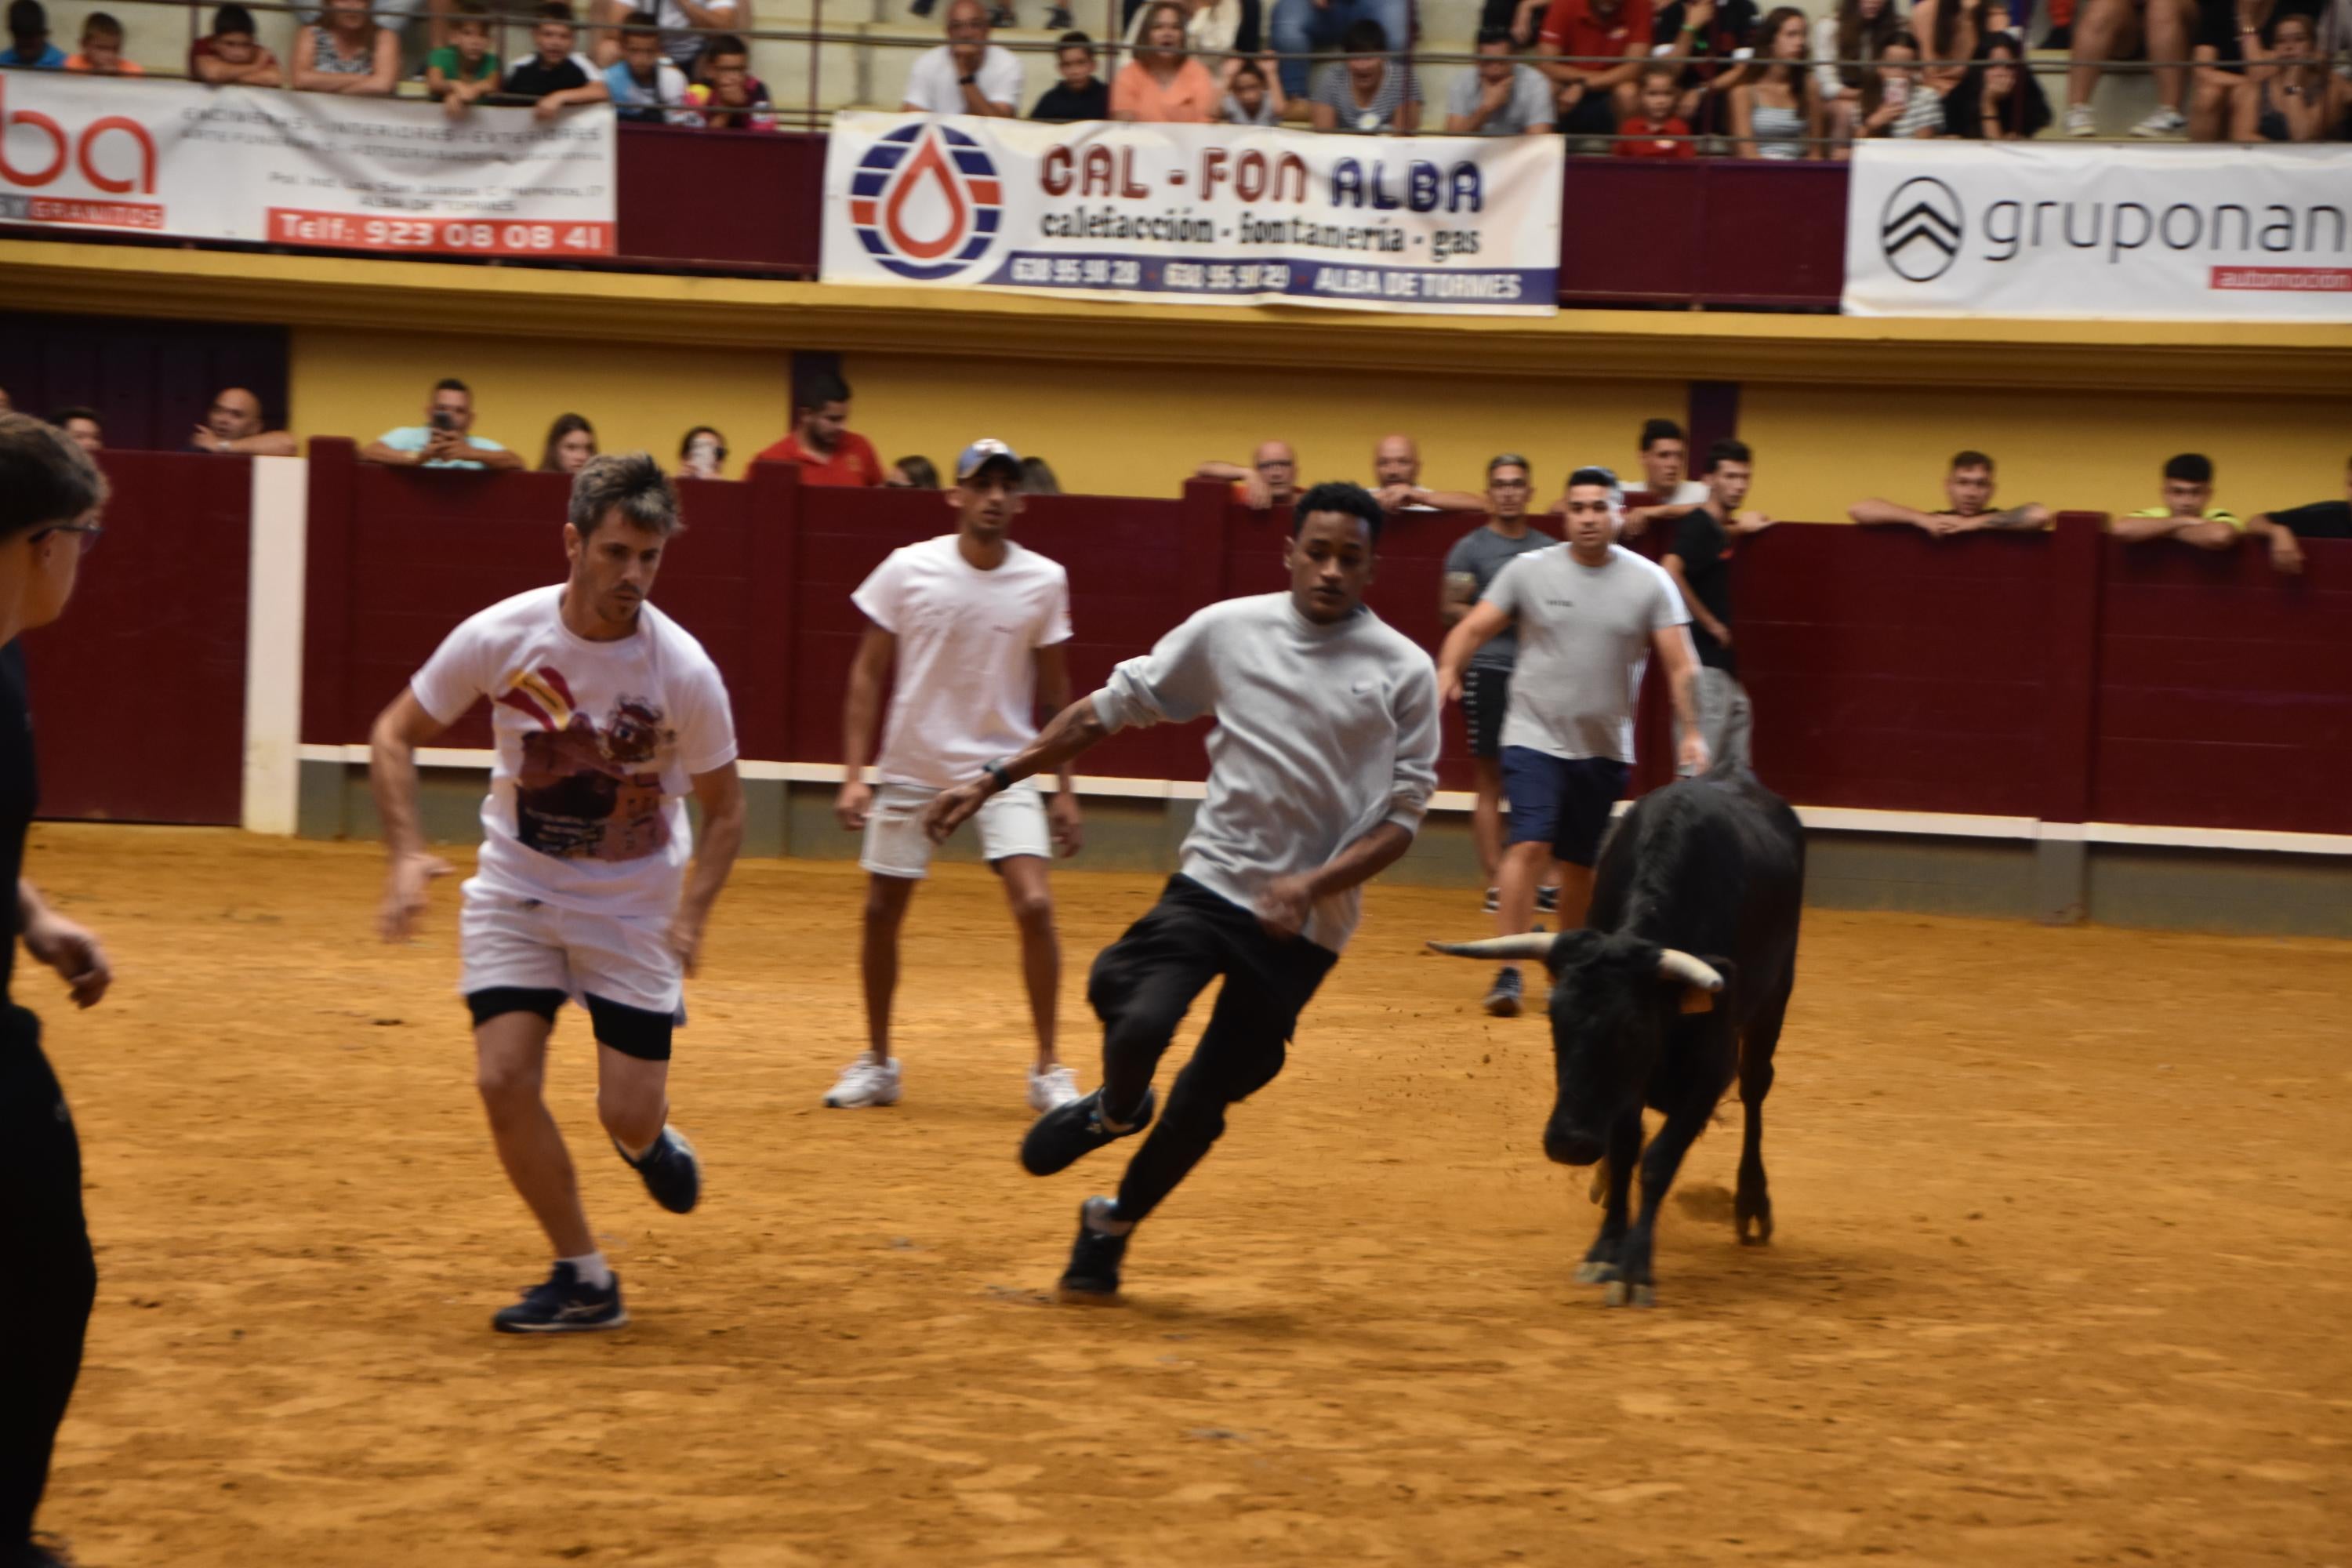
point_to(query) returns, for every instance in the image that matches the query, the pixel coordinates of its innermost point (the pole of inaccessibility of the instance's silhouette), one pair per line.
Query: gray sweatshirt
(1323, 733)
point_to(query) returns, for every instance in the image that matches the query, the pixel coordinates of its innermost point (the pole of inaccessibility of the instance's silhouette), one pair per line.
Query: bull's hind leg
(1752, 1208)
(1617, 1167)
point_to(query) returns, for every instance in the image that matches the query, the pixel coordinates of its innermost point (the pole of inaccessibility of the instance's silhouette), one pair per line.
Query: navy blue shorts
(1561, 801)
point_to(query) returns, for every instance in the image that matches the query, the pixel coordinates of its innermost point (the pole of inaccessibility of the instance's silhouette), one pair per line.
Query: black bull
(1677, 983)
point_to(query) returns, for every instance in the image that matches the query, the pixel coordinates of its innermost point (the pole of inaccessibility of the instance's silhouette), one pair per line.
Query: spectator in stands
(1774, 114)
(1080, 94)
(231, 54)
(2229, 33)
(1997, 101)
(1252, 97)
(1897, 105)
(678, 20)
(643, 84)
(1706, 45)
(1470, 566)
(1271, 479)
(1162, 84)
(730, 97)
(445, 439)
(702, 454)
(2187, 513)
(915, 473)
(1037, 478)
(2129, 29)
(101, 48)
(827, 451)
(234, 424)
(1665, 493)
(966, 75)
(1967, 504)
(1220, 34)
(1501, 97)
(2299, 100)
(557, 76)
(29, 38)
(570, 442)
(1396, 480)
(463, 70)
(2320, 520)
(1594, 95)
(1698, 559)
(1368, 94)
(1847, 41)
(1303, 27)
(83, 425)
(345, 51)
(1950, 31)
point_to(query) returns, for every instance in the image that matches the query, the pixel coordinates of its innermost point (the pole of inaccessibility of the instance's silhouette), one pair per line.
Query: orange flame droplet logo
(928, 165)
(926, 202)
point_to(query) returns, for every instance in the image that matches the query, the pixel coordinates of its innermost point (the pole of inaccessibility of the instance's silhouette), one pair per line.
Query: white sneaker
(2163, 122)
(865, 1082)
(2080, 121)
(1051, 1090)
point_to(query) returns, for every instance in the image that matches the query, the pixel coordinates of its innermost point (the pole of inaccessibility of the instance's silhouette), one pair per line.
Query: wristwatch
(996, 770)
(966, 80)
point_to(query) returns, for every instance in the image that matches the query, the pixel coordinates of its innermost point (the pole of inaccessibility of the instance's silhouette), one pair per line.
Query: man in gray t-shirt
(1588, 614)
(1501, 98)
(1470, 567)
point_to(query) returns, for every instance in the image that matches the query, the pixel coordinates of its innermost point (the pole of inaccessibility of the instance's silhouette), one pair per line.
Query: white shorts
(1009, 823)
(531, 946)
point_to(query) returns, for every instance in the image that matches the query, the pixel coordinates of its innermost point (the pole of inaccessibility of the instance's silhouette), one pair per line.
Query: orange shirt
(853, 461)
(81, 62)
(1189, 99)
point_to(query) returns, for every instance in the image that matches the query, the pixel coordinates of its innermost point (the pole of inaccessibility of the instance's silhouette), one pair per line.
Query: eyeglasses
(89, 533)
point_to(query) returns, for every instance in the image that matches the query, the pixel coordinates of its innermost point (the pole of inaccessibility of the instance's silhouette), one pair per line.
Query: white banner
(302, 168)
(1213, 214)
(2031, 229)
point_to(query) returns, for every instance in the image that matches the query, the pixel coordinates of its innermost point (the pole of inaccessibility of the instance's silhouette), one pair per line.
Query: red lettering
(1055, 177)
(1213, 170)
(1250, 183)
(1095, 174)
(144, 184)
(40, 123)
(1129, 186)
(64, 149)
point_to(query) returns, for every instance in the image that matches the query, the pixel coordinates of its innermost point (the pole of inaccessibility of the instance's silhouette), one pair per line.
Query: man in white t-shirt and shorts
(606, 715)
(977, 625)
(1588, 614)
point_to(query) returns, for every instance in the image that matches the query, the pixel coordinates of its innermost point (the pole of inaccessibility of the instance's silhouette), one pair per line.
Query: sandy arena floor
(2063, 1270)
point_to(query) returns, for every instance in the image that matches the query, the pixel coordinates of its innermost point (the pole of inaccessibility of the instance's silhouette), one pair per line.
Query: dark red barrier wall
(139, 691)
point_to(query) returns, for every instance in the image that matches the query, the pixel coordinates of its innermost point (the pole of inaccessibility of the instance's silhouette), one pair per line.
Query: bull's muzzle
(1570, 1146)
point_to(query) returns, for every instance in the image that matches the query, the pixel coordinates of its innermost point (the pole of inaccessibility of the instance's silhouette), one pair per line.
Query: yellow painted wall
(636, 395)
(1820, 448)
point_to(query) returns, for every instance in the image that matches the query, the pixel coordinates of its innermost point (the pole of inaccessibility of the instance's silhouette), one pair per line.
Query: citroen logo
(1922, 230)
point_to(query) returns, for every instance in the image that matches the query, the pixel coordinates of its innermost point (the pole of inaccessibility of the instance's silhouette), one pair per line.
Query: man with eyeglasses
(1270, 480)
(50, 493)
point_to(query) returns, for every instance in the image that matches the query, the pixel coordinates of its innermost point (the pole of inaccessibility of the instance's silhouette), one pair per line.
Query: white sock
(592, 1270)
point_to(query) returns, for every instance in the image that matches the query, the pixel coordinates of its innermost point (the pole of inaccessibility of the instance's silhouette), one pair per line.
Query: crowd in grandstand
(1635, 77)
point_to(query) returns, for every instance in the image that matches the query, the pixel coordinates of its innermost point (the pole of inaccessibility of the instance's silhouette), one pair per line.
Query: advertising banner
(302, 168)
(2029, 228)
(1209, 213)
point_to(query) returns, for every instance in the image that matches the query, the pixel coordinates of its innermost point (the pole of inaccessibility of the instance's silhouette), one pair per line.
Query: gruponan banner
(1211, 214)
(2029, 228)
(302, 168)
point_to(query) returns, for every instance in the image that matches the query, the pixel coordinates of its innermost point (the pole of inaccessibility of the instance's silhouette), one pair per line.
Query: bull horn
(1527, 945)
(1675, 964)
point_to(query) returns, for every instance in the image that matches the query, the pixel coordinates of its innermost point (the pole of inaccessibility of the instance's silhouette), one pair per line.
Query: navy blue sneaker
(563, 1306)
(1503, 1001)
(669, 1169)
(1092, 1274)
(1057, 1139)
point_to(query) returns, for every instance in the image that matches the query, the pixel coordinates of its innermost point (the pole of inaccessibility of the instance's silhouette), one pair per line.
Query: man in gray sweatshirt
(1319, 769)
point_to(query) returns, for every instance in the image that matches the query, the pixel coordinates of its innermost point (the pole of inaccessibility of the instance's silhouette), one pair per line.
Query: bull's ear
(1697, 983)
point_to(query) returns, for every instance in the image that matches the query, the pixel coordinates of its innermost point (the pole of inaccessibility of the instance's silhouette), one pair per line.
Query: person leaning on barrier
(445, 439)
(678, 20)
(1396, 476)
(643, 85)
(28, 39)
(1368, 94)
(827, 451)
(1968, 495)
(345, 51)
(730, 97)
(1163, 84)
(966, 75)
(101, 48)
(2187, 514)
(463, 70)
(234, 424)
(2282, 531)
(1271, 479)
(231, 56)
(557, 76)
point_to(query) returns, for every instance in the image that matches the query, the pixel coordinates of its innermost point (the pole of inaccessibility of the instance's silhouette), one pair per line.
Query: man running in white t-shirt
(977, 625)
(606, 714)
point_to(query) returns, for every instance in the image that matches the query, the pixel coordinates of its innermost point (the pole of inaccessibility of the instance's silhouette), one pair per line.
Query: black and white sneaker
(1002, 16)
(1546, 900)
(1494, 903)
(922, 8)
(1059, 20)
(671, 1171)
(1503, 1001)
(1095, 1257)
(1057, 1139)
(563, 1305)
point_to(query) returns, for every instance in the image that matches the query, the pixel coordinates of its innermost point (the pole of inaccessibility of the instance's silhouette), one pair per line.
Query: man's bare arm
(409, 865)
(1470, 634)
(719, 793)
(1698, 612)
(266, 443)
(1875, 511)
(1455, 595)
(861, 709)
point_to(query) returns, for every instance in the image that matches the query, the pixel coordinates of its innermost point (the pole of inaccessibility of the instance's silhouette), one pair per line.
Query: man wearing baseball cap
(977, 627)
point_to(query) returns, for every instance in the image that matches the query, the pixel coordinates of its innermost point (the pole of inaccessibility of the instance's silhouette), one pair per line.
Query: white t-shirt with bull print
(598, 743)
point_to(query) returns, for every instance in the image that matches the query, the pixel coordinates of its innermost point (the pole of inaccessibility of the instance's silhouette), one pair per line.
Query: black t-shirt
(1090, 102)
(2217, 29)
(2320, 520)
(1705, 546)
(20, 793)
(536, 79)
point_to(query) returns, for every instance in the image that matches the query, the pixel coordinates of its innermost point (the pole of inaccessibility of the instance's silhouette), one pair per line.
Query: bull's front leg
(1659, 1163)
(1625, 1151)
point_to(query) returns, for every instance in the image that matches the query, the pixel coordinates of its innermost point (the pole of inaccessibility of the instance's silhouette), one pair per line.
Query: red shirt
(1637, 139)
(853, 461)
(1574, 28)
